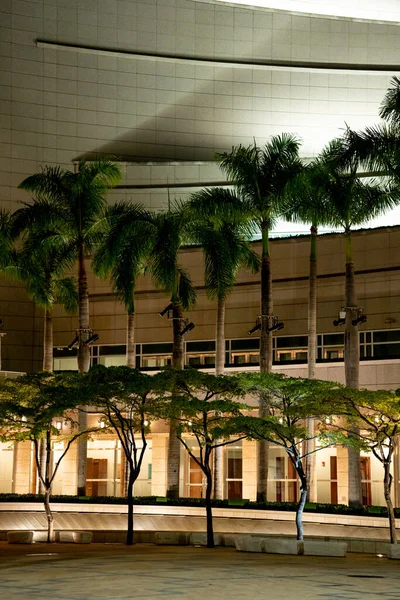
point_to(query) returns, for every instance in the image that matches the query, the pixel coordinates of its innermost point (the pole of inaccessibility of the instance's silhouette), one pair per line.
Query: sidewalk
(147, 572)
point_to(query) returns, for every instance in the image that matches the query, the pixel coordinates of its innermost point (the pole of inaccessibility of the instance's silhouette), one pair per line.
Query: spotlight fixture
(188, 327)
(276, 326)
(339, 321)
(93, 338)
(74, 343)
(166, 309)
(360, 319)
(256, 327)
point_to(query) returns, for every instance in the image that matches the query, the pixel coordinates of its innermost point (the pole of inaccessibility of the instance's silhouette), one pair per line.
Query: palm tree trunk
(174, 446)
(352, 367)
(265, 358)
(219, 370)
(83, 366)
(130, 341)
(312, 360)
(47, 341)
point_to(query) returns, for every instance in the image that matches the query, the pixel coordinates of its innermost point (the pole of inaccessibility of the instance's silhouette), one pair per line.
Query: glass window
(156, 361)
(156, 348)
(112, 350)
(208, 346)
(334, 339)
(248, 344)
(386, 350)
(234, 471)
(6, 467)
(389, 335)
(296, 341)
(113, 361)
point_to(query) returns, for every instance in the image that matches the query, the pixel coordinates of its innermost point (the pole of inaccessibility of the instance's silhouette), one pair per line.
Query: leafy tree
(375, 417)
(29, 407)
(222, 228)
(261, 176)
(290, 402)
(169, 274)
(205, 407)
(128, 401)
(69, 204)
(122, 254)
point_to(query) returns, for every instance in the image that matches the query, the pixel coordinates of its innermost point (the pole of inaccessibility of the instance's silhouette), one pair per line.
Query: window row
(286, 349)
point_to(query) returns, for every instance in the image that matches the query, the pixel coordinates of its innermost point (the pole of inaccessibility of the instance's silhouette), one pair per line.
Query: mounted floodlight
(361, 319)
(93, 338)
(166, 309)
(256, 327)
(339, 321)
(188, 327)
(276, 326)
(74, 343)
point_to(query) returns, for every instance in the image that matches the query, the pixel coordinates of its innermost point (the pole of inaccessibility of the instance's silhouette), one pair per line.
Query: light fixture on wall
(59, 425)
(145, 422)
(102, 423)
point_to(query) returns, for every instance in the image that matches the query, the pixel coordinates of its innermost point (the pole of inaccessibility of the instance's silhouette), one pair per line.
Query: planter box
(20, 537)
(171, 538)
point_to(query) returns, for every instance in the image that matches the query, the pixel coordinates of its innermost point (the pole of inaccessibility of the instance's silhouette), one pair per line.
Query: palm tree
(261, 176)
(305, 203)
(72, 202)
(126, 244)
(351, 201)
(222, 229)
(42, 268)
(167, 272)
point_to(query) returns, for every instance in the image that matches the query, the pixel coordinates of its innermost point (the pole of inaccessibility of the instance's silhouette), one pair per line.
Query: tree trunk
(265, 358)
(130, 341)
(302, 501)
(312, 360)
(131, 481)
(387, 486)
(210, 531)
(42, 464)
(49, 516)
(83, 366)
(47, 341)
(47, 486)
(174, 446)
(219, 370)
(352, 366)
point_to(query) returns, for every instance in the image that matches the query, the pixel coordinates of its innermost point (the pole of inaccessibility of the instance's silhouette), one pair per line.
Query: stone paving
(147, 572)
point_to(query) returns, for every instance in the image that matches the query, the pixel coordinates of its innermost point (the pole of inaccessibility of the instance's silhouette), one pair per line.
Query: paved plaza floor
(147, 572)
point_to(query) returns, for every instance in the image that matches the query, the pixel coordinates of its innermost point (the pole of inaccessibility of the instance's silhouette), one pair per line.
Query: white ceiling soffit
(368, 10)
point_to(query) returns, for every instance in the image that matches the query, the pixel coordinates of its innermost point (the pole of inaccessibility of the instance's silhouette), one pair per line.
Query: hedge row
(339, 509)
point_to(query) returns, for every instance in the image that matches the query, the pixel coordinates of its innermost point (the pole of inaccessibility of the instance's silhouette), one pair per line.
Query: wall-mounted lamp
(59, 425)
(145, 422)
(166, 309)
(188, 327)
(102, 423)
